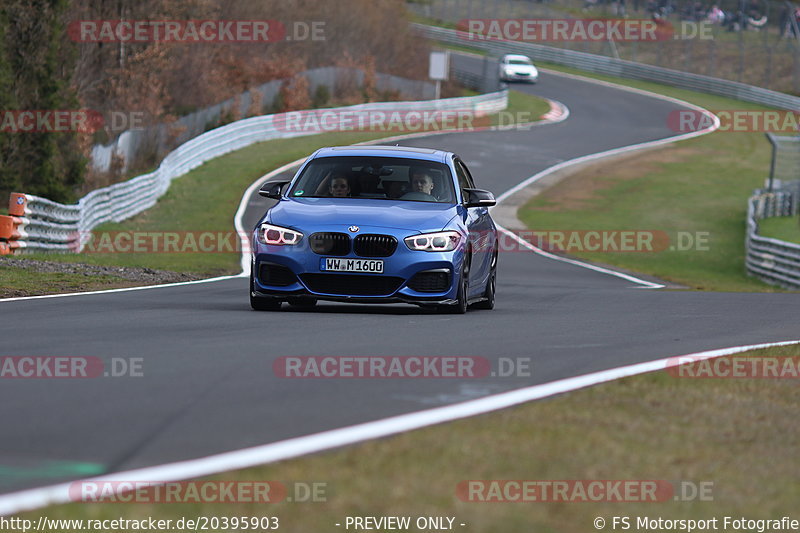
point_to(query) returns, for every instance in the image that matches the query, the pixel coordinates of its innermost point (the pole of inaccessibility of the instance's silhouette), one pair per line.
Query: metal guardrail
(616, 67)
(38, 224)
(774, 261)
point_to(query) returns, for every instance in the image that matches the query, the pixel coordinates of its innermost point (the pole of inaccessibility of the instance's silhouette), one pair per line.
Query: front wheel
(460, 307)
(491, 287)
(259, 303)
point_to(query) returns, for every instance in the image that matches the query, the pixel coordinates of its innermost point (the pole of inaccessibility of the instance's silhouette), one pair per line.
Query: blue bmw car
(376, 224)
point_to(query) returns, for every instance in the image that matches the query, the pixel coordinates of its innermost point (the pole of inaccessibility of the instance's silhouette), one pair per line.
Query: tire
(461, 306)
(259, 303)
(302, 302)
(491, 287)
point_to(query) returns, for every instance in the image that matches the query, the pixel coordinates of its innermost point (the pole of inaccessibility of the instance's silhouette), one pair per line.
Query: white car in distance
(515, 67)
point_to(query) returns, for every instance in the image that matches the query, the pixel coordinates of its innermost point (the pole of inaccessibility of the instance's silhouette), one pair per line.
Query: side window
(464, 177)
(469, 176)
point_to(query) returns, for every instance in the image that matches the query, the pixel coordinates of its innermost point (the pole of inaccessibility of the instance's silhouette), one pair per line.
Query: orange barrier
(10, 225)
(17, 204)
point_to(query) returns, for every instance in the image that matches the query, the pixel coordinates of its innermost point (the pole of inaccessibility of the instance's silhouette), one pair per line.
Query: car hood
(318, 213)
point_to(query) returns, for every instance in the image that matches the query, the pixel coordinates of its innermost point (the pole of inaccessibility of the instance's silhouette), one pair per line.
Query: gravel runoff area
(127, 273)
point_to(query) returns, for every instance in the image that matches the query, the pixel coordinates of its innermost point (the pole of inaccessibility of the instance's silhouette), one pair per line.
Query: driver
(422, 181)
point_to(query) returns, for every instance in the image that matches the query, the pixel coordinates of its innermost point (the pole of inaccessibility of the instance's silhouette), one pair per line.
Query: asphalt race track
(208, 383)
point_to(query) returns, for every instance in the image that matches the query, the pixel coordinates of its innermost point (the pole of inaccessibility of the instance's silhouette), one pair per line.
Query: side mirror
(478, 198)
(272, 189)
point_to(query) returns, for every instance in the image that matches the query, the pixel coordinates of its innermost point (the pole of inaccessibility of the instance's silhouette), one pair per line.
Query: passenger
(340, 187)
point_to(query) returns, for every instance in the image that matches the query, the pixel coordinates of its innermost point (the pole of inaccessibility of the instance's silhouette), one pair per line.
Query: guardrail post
(771, 140)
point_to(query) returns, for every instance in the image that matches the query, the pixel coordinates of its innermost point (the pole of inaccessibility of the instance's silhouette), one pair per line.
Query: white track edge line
(123, 289)
(30, 499)
(582, 264)
(601, 155)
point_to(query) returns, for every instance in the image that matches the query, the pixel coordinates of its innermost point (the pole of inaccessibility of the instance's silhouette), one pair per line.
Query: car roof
(516, 56)
(426, 154)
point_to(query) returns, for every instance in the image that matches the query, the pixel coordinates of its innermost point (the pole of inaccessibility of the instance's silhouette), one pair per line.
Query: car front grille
(430, 281)
(368, 245)
(352, 284)
(275, 275)
(326, 243)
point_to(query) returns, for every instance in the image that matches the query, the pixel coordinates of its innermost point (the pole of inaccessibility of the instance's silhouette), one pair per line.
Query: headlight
(276, 235)
(441, 241)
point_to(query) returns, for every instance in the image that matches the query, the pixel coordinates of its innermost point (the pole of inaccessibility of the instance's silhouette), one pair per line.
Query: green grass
(740, 435)
(16, 282)
(783, 228)
(206, 199)
(697, 186)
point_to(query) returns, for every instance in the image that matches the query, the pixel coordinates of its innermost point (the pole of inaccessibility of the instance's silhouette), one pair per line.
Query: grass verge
(694, 189)
(206, 199)
(19, 282)
(783, 228)
(690, 432)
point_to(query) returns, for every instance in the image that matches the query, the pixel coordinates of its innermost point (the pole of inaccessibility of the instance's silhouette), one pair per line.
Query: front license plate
(336, 264)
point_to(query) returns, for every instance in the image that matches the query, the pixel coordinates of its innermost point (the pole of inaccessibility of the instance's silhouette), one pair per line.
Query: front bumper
(512, 76)
(299, 275)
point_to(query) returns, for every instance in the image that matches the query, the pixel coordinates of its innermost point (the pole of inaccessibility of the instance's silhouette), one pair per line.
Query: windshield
(519, 62)
(379, 178)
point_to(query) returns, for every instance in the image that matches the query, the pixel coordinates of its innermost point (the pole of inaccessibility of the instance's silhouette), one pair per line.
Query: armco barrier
(38, 224)
(617, 67)
(772, 260)
(46, 225)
